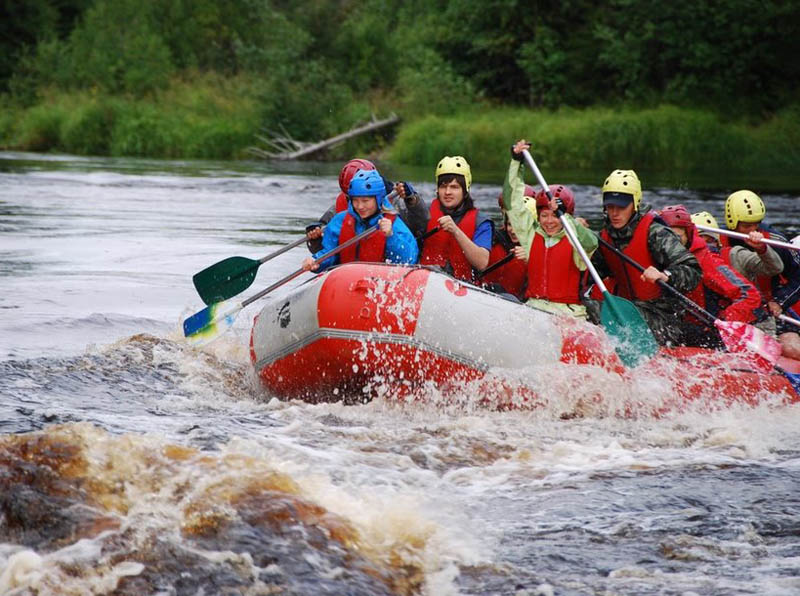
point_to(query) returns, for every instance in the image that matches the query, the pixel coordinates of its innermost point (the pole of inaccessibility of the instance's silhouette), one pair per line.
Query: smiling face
(450, 194)
(619, 216)
(366, 207)
(549, 221)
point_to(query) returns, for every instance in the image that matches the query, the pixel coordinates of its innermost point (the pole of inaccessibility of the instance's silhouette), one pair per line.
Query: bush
(87, 129)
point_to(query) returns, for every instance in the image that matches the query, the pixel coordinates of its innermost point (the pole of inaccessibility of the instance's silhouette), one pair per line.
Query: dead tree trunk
(284, 147)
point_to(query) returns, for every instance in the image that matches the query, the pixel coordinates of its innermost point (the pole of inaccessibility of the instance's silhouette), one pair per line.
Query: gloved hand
(408, 190)
(515, 155)
(560, 209)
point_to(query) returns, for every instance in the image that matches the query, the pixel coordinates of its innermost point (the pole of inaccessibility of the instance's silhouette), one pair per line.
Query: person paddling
(507, 276)
(412, 209)
(459, 237)
(635, 230)
(554, 268)
(744, 213)
(367, 206)
(723, 292)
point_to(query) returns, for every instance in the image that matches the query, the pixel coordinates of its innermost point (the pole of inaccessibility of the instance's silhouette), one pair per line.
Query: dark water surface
(133, 463)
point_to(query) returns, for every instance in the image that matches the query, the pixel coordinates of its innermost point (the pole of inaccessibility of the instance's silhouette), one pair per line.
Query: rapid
(132, 462)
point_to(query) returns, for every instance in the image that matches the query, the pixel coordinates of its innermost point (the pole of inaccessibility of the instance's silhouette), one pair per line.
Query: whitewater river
(132, 463)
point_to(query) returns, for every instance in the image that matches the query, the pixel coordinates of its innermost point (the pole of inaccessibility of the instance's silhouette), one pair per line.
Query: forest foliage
(317, 67)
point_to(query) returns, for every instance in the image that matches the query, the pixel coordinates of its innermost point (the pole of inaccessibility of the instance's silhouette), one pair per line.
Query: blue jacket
(401, 246)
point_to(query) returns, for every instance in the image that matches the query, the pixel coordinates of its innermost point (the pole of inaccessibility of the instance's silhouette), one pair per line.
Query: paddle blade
(741, 337)
(212, 321)
(624, 323)
(225, 279)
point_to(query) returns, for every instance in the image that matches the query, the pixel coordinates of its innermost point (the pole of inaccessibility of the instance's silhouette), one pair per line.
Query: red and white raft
(409, 329)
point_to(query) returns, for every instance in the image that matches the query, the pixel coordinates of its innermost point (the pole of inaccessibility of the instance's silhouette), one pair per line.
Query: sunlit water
(132, 463)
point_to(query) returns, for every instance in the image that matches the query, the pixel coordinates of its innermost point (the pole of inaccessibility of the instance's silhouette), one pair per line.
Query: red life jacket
(371, 249)
(441, 248)
(341, 202)
(700, 251)
(552, 273)
(510, 276)
(628, 280)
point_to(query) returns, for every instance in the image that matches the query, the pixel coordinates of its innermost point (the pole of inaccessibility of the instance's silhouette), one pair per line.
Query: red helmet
(349, 170)
(676, 216)
(559, 191)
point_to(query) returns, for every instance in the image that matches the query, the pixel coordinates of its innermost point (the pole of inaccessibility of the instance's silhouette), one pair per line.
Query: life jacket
(628, 280)
(511, 275)
(442, 249)
(552, 273)
(371, 249)
(699, 249)
(341, 202)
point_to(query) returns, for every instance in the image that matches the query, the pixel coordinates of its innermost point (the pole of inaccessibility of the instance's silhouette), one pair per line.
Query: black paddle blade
(225, 279)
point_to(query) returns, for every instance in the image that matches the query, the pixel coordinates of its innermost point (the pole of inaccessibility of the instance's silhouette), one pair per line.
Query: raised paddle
(733, 234)
(735, 335)
(234, 275)
(217, 318)
(619, 317)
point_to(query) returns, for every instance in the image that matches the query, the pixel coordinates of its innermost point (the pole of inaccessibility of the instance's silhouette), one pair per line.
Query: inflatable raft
(364, 329)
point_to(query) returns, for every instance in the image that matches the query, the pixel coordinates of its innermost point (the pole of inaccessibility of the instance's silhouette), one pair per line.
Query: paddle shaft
(280, 251)
(573, 238)
(430, 233)
(495, 266)
(318, 260)
(661, 283)
(741, 236)
(790, 320)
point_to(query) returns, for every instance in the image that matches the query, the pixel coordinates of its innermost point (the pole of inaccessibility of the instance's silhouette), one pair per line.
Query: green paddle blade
(225, 279)
(625, 324)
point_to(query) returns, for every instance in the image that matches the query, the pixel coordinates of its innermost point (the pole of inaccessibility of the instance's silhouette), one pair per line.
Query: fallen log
(284, 147)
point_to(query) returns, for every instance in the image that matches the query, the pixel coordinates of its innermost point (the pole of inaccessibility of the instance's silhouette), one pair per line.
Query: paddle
(735, 335)
(217, 318)
(619, 317)
(494, 266)
(790, 320)
(430, 233)
(234, 275)
(769, 241)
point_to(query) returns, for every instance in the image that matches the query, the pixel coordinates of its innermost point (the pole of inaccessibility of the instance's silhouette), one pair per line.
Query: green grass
(206, 117)
(661, 140)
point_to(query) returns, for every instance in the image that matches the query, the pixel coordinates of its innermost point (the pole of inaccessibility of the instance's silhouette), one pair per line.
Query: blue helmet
(369, 183)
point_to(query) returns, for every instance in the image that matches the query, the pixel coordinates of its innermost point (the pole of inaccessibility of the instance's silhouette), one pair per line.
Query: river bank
(668, 145)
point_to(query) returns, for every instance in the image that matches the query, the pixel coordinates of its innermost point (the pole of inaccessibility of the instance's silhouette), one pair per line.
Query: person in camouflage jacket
(638, 232)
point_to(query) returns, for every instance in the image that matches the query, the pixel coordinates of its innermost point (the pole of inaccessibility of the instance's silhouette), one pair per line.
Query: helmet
(625, 182)
(676, 216)
(350, 168)
(704, 218)
(455, 165)
(559, 191)
(368, 183)
(745, 206)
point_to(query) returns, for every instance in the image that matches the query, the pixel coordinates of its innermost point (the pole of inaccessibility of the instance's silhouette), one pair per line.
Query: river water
(133, 463)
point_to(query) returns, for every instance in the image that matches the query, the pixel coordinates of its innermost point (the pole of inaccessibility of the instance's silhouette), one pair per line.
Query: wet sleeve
(750, 264)
(483, 235)
(522, 219)
(417, 215)
(788, 293)
(669, 254)
(401, 246)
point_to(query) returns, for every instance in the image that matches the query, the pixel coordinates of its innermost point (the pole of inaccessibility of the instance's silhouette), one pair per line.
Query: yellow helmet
(745, 206)
(455, 165)
(625, 182)
(704, 218)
